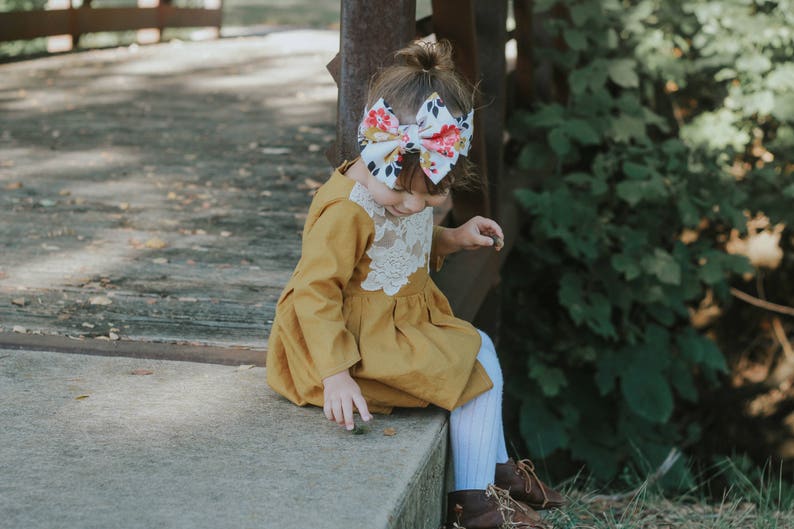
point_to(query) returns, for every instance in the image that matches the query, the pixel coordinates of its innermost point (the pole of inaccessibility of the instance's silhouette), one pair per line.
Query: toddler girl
(361, 325)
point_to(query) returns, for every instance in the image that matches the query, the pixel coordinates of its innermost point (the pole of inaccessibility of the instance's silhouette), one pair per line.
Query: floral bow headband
(438, 137)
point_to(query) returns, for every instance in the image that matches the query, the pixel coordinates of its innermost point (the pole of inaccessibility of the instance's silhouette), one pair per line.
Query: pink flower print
(443, 142)
(379, 119)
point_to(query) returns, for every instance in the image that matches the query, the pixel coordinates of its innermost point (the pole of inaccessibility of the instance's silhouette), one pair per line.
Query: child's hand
(339, 395)
(479, 232)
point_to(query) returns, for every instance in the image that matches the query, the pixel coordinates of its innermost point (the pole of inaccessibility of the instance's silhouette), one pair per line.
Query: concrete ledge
(87, 444)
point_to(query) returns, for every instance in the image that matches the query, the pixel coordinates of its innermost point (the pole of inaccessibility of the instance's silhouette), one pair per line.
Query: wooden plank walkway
(156, 194)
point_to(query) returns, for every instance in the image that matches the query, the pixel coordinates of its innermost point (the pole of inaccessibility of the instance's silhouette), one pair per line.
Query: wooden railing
(478, 31)
(23, 25)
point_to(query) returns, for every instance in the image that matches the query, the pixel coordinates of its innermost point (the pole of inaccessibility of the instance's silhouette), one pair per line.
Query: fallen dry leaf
(226, 234)
(81, 397)
(20, 302)
(13, 185)
(311, 183)
(20, 329)
(3, 275)
(100, 300)
(156, 243)
(243, 367)
(113, 336)
(389, 431)
(275, 150)
(141, 372)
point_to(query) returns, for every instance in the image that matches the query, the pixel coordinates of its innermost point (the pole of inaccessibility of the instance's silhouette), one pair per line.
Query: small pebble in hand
(498, 243)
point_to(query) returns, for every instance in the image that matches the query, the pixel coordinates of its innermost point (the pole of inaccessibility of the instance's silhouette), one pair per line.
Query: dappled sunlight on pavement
(169, 179)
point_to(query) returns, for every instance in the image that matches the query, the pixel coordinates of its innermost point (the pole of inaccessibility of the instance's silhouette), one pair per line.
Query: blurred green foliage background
(661, 129)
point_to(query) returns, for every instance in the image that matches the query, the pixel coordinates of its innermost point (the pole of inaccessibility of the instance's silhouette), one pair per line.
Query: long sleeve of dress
(436, 261)
(332, 246)
(405, 349)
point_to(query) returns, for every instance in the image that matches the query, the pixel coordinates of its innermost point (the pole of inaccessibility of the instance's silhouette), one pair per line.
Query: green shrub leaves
(626, 230)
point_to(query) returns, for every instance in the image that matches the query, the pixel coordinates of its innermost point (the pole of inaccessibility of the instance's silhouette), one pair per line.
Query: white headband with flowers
(438, 137)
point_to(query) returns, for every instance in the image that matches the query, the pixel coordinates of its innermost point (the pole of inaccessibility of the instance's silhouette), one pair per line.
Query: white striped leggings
(476, 433)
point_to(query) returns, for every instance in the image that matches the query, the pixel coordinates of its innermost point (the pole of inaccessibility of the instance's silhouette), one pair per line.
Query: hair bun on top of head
(426, 56)
(423, 79)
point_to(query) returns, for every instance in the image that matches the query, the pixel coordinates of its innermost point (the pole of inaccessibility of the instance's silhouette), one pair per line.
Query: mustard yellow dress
(361, 298)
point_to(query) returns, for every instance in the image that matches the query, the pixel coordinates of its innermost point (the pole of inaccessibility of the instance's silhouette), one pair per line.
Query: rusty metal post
(370, 33)
(490, 18)
(524, 89)
(454, 20)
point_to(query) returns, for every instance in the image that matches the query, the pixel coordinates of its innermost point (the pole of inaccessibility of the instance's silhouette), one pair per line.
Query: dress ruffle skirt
(404, 350)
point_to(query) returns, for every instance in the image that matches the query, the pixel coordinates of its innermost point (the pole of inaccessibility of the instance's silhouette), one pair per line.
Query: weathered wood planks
(156, 194)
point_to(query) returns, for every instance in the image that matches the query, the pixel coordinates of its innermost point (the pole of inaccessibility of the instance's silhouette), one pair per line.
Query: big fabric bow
(438, 137)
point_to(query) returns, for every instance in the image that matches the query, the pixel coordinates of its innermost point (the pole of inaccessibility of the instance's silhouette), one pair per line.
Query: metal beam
(453, 20)
(370, 33)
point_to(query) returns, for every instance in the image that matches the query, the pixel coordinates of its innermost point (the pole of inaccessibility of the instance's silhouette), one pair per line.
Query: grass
(752, 498)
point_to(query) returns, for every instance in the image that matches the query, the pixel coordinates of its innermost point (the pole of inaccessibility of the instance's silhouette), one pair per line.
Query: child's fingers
(361, 406)
(347, 409)
(493, 232)
(485, 240)
(336, 407)
(486, 225)
(329, 414)
(492, 228)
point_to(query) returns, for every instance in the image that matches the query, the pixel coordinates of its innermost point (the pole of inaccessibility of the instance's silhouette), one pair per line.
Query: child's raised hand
(478, 232)
(340, 394)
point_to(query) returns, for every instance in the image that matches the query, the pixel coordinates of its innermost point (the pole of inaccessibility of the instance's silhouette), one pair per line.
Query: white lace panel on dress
(401, 244)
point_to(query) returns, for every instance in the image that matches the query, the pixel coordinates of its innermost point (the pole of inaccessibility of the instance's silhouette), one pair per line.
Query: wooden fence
(23, 25)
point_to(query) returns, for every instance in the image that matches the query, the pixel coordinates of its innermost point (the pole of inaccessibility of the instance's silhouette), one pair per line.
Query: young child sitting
(361, 325)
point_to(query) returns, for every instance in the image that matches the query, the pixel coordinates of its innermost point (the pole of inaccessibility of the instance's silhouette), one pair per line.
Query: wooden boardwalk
(156, 194)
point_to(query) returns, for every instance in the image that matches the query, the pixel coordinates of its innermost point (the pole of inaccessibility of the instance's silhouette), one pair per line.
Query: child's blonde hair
(421, 69)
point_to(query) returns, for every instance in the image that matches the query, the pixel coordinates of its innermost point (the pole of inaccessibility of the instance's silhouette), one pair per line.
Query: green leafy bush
(675, 124)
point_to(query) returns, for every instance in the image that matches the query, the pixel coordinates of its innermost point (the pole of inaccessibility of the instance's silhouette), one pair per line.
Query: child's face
(402, 202)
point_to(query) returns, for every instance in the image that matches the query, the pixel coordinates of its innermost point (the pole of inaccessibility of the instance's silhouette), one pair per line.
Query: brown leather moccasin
(492, 508)
(519, 478)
